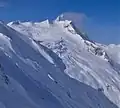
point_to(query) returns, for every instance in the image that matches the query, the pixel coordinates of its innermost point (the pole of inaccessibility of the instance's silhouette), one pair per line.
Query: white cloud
(104, 33)
(78, 18)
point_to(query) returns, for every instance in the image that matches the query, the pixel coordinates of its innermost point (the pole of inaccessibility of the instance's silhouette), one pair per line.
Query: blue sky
(101, 17)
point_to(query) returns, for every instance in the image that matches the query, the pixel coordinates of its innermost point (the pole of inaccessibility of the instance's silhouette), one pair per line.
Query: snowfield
(54, 65)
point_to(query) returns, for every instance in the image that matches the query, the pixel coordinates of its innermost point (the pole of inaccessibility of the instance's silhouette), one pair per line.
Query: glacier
(53, 65)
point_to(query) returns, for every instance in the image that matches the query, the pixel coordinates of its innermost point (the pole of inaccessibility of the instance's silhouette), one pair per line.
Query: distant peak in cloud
(79, 19)
(74, 17)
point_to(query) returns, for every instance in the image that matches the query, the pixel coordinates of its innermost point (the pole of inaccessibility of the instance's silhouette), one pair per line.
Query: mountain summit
(44, 65)
(76, 21)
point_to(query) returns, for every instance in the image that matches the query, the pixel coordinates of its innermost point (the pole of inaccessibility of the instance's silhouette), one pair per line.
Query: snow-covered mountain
(54, 65)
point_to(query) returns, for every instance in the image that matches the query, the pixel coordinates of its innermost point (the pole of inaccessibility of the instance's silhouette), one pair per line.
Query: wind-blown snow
(45, 65)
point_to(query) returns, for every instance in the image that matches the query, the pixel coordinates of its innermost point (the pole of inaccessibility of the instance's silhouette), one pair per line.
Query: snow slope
(45, 65)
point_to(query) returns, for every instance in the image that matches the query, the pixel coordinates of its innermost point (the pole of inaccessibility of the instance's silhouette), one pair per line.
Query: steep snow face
(40, 58)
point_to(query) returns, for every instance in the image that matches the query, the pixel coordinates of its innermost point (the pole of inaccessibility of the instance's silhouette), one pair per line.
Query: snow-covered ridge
(50, 65)
(35, 29)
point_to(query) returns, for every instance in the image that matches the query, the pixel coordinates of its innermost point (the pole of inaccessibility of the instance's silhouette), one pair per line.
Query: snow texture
(50, 65)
